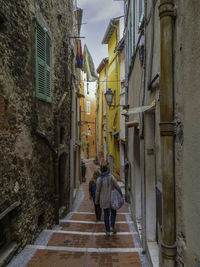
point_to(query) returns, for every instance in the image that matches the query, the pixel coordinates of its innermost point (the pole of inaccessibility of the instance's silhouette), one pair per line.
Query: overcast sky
(97, 14)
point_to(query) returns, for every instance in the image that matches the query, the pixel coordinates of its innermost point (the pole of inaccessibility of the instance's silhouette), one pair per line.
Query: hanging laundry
(79, 54)
(89, 68)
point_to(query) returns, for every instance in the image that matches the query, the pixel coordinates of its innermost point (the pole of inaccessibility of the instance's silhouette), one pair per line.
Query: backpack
(116, 201)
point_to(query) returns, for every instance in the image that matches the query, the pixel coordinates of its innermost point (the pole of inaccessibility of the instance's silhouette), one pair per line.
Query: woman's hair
(104, 167)
(96, 175)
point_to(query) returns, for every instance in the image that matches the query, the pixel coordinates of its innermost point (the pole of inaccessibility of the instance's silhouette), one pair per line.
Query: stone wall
(187, 43)
(186, 54)
(28, 137)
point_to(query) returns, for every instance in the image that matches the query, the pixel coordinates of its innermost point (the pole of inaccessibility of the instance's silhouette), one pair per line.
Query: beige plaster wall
(187, 73)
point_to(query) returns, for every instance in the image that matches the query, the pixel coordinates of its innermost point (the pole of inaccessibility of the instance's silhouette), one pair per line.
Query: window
(89, 130)
(62, 135)
(133, 25)
(131, 33)
(140, 12)
(88, 107)
(43, 64)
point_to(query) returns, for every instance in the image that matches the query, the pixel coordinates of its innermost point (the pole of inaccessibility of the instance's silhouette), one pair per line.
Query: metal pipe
(71, 173)
(106, 113)
(126, 102)
(56, 174)
(71, 146)
(142, 144)
(125, 52)
(166, 13)
(152, 41)
(153, 80)
(95, 136)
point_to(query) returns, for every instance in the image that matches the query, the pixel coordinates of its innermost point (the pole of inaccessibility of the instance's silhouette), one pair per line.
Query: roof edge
(110, 27)
(102, 64)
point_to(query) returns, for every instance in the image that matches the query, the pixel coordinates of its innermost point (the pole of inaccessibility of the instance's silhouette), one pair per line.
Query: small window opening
(2, 21)
(40, 220)
(62, 135)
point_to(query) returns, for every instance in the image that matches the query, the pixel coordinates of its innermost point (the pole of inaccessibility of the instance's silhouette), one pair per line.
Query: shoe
(113, 230)
(107, 233)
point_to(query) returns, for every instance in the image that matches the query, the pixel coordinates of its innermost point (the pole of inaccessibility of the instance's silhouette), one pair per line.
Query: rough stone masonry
(28, 136)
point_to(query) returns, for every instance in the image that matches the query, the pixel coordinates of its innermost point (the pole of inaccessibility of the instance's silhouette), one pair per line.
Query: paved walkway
(80, 241)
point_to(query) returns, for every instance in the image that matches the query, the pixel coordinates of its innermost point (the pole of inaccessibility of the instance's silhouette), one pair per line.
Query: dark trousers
(107, 218)
(97, 211)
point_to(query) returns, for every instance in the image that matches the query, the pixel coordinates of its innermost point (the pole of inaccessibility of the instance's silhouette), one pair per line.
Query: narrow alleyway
(80, 241)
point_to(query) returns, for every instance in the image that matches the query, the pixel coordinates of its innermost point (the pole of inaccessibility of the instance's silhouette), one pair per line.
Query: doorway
(137, 177)
(150, 176)
(62, 179)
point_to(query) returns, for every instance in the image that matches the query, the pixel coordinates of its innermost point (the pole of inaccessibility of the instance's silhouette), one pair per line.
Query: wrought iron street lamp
(109, 98)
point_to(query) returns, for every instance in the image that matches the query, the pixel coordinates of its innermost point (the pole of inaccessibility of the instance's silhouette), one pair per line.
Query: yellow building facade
(88, 118)
(111, 38)
(101, 111)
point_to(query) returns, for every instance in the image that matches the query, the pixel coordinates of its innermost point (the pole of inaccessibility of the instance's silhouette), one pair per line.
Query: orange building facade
(88, 120)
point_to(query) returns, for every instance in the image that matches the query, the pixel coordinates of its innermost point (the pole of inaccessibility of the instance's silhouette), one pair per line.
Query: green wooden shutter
(130, 30)
(133, 26)
(48, 69)
(43, 70)
(129, 38)
(127, 50)
(140, 10)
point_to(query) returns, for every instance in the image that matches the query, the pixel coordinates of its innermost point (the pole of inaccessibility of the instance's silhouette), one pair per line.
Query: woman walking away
(105, 183)
(92, 192)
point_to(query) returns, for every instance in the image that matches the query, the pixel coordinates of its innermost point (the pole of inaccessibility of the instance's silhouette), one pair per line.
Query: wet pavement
(81, 241)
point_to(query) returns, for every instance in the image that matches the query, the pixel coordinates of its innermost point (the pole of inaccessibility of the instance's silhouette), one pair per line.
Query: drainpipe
(56, 159)
(106, 114)
(167, 129)
(95, 136)
(126, 163)
(71, 146)
(142, 145)
(152, 41)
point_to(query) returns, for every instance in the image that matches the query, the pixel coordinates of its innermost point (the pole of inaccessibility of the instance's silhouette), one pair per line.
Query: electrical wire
(103, 81)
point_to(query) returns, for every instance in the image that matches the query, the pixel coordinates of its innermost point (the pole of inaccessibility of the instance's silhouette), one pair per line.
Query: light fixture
(109, 98)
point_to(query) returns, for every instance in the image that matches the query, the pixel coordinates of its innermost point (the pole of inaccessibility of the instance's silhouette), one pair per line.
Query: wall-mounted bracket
(168, 128)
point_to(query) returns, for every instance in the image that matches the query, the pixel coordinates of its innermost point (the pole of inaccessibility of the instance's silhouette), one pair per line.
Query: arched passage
(62, 175)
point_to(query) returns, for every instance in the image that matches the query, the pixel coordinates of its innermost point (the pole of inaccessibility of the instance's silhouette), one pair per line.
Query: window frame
(88, 107)
(140, 15)
(89, 130)
(130, 34)
(42, 65)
